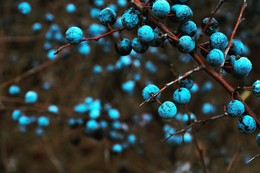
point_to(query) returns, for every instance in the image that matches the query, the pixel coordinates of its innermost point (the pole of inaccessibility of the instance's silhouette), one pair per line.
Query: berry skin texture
(186, 82)
(258, 139)
(181, 13)
(215, 57)
(256, 88)
(181, 96)
(242, 67)
(139, 46)
(212, 27)
(188, 28)
(130, 19)
(145, 33)
(218, 40)
(123, 46)
(149, 90)
(74, 35)
(31, 97)
(167, 110)
(24, 8)
(246, 124)
(237, 48)
(161, 8)
(235, 108)
(186, 44)
(107, 16)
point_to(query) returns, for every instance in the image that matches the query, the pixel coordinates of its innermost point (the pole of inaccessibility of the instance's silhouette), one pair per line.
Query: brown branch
(233, 160)
(239, 19)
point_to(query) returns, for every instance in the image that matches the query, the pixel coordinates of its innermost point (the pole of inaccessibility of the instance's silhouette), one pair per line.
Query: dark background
(72, 80)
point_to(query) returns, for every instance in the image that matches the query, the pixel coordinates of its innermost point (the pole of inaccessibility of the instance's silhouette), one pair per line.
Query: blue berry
(181, 13)
(167, 110)
(139, 46)
(161, 8)
(122, 3)
(215, 57)
(188, 28)
(208, 108)
(70, 8)
(237, 48)
(128, 86)
(123, 46)
(24, 120)
(31, 97)
(235, 108)
(53, 109)
(149, 90)
(181, 96)
(187, 82)
(246, 124)
(84, 48)
(117, 148)
(130, 19)
(24, 8)
(107, 16)
(49, 17)
(218, 40)
(113, 114)
(74, 35)
(16, 114)
(91, 126)
(94, 113)
(258, 139)
(212, 27)
(81, 108)
(14, 90)
(36, 27)
(158, 38)
(131, 139)
(43, 121)
(242, 67)
(256, 88)
(186, 44)
(145, 33)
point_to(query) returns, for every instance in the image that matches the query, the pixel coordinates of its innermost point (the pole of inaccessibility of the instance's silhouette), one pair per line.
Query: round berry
(167, 110)
(139, 46)
(43, 121)
(24, 8)
(246, 124)
(181, 96)
(218, 40)
(117, 148)
(113, 114)
(158, 38)
(181, 13)
(130, 19)
(187, 82)
(107, 16)
(74, 35)
(186, 44)
(70, 8)
(215, 57)
(145, 33)
(31, 97)
(14, 90)
(212, 27)
(123, 46)
(256, 88)
(235, 108)
(149, 90)
(237, 48)
(161, 8)
(188, 28)
(242, 67)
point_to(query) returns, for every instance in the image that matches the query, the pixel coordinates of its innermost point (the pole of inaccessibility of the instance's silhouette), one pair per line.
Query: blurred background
(93, 74)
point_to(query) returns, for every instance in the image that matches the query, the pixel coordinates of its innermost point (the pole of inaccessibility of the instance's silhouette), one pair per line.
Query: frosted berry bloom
(167, 110)
(188, 28)
(161, 8)
(235, 108)
(186, 44)
(246, 124)
(130, 19)
(182, 96)
(123, 46)
(256, 88)
(43, 121)
(181, 13)
(31, 97)
(242, 67)
(149, 90)
(218, 40)
(145, 33)
(107, 16)
(74, 35)
(139, 46)
(24, 8)
(215, 57)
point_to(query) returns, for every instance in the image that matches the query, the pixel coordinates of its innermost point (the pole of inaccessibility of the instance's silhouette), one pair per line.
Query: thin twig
(250, 160)
(239, 19)
(233, 160)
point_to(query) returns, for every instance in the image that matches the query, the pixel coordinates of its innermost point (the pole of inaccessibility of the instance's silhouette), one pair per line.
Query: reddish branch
(201, 62)
(233, 160)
